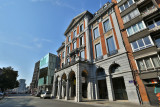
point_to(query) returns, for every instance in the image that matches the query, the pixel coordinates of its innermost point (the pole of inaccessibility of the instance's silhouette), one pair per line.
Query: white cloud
(17, 44)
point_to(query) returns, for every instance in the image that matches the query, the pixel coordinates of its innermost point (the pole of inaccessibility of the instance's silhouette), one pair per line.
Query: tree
(8, 79)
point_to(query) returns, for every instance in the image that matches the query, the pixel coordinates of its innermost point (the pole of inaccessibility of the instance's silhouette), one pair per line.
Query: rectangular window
(148, 63)
(140, 64)
(142, 44)
(69, 38)
(82, 54)
(111, 44)
(81, 40)
(75, 33)
(136, 28)
(63, 54)
(96, 33)
(153, 23)
(98, 50)
(81, 27)
(68, 49)
(107, 26)
(74, 45)
(156, 61)
(126, 5)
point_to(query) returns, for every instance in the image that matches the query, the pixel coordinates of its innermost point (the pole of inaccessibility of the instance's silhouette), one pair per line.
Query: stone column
(54, 87)
(67, 89)
(78, 85)
(110, 88)
(59, 88)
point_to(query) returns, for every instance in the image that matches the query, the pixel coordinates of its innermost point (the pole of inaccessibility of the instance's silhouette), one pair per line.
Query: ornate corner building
(94, 62)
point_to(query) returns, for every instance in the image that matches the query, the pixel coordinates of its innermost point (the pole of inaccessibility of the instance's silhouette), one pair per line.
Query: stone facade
(91, 73)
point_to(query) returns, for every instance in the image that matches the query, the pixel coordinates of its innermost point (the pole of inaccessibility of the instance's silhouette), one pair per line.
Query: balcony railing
(112, 53)
(138, 2)
(154, 9)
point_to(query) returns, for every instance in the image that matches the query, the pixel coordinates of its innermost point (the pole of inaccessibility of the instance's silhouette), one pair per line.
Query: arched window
(114, 68)
(100, 72)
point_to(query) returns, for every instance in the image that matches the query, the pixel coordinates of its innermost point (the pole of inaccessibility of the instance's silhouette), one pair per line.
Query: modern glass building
(46, 72)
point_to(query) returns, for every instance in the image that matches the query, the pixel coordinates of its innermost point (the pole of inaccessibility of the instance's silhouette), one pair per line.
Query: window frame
(82, 36)
(112, 35)
(80, 28)
(124, 6)
(154, 22)
(74, 32)
(151, 61)
(96, 50)
(96, 27)
(129, 15)
(107, 19)
(75, 42)
(137, 26)
(144, 47)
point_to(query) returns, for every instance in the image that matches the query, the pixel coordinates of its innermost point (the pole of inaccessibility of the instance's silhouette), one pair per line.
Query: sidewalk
(106, 103)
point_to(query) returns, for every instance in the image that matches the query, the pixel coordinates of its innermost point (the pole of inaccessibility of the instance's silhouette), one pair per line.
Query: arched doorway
(102, 85)
(64, 80)
(84, 83)
(72, 87)
(118, 84)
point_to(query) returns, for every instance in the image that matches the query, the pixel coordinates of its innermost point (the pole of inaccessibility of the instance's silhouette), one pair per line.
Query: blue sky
(29, 29)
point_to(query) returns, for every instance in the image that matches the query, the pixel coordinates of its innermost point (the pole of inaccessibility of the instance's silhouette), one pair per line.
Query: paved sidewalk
(106, 103)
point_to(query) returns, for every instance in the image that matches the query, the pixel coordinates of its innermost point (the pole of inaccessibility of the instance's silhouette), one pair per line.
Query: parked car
(37, 94)
(46, 94)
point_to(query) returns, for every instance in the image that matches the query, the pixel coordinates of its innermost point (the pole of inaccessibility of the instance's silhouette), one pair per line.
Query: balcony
(138, 2)
(154, 29)
(147, 13)
(112, 53)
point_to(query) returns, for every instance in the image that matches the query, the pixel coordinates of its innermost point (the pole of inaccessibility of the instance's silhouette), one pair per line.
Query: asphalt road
(30, 101)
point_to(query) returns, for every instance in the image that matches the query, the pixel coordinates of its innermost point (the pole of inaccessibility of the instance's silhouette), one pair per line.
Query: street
(31, 101)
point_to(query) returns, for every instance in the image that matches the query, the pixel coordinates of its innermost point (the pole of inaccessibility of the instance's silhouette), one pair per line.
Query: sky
(29, 29)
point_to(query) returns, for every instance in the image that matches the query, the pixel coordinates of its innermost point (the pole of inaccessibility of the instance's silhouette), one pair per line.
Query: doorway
(103, 93)
(119, 88)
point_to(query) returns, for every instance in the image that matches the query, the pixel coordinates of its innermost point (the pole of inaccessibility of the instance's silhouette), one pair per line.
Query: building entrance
(103, 93)
(151, 91)
(119, 88)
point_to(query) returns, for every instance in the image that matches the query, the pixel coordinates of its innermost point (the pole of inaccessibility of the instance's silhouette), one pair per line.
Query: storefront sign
(154, 81)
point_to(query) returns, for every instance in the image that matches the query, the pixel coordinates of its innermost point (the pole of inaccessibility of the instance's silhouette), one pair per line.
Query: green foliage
(8, 78)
